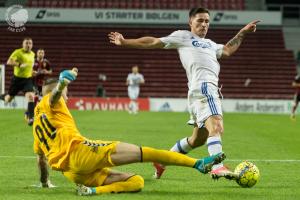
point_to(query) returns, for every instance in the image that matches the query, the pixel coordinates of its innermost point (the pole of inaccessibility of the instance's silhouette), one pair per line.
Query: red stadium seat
(33, 3)
(138, 4)
(99, 4)
(68, 4)
(75, 4)
(89, 4)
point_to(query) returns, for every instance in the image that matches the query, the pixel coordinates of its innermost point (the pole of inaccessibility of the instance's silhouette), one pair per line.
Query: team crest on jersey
(203, 45)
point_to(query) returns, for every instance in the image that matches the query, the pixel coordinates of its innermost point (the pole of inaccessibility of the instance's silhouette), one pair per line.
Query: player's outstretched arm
(233, 45)
(65, 78)
(43, 170)
(139, 43)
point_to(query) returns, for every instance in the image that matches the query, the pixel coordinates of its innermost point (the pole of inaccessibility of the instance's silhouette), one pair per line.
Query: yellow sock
(133, 184)
(166, 157)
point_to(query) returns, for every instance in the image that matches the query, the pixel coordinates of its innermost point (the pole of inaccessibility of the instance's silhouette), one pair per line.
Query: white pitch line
(227, 160)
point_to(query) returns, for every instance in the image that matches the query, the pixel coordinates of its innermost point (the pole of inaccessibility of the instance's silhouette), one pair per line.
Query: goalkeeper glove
(67, 76)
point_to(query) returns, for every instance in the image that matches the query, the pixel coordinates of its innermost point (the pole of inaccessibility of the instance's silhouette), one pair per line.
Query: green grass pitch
(266, 140)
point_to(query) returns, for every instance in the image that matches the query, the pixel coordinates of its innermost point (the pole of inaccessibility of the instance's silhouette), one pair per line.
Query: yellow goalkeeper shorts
(93, 179)
(91, 155)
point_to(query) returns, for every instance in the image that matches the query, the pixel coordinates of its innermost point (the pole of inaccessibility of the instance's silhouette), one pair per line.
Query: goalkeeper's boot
(223, 172)
(159, 170)
(204, 165)
(67, 76)
(85, 191)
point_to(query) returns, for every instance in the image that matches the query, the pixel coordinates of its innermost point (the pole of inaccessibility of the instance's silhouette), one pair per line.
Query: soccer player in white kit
(133, 81)
(198, 56)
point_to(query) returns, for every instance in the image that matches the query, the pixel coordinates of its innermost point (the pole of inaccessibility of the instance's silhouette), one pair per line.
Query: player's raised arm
(140, 43)
(235, 42)
(65, 78)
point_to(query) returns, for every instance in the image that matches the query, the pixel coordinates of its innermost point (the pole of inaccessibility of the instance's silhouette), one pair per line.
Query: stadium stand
(261, 68)
(138, 4)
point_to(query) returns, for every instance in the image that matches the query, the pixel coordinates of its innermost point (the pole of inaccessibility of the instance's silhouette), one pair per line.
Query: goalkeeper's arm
(65, 78)
(43, 169)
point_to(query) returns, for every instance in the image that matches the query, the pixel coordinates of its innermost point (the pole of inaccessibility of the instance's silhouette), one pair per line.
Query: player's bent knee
(30, 96)
(8, 98)
(138, 183)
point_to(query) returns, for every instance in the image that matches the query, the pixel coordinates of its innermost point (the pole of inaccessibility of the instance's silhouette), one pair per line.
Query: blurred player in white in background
(133, 81)
(296, 85)
(198, 56)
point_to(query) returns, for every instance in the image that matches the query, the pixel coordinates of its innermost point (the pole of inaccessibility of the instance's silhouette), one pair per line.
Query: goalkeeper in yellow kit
(86, 162)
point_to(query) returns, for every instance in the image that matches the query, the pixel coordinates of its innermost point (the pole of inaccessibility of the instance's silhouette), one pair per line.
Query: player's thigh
(126, 153)
(214, 125)
(137, 92)
(116, 176)
(91, 155)
(93, 179)
(29, 96)
(28, 85)
(15, 87)
(132, 93)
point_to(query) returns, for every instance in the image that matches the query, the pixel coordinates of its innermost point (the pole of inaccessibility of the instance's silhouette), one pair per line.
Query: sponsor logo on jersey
(203, 45)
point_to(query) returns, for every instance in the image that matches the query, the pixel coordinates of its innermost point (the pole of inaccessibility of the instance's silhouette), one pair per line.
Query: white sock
(182, 146)
(214, 146)
(130, 106)
(135, 107)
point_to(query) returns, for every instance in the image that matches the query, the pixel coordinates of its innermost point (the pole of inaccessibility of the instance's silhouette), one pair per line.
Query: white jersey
(198, 57)
(135, 80)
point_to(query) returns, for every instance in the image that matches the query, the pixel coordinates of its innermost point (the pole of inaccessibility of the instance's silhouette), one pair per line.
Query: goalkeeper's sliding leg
(128, 153)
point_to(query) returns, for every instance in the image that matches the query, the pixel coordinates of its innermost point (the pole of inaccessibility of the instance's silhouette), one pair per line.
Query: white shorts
(204, 103)
(133, 92)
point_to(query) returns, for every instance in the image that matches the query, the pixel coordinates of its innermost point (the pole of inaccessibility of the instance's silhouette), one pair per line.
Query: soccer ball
(248, 174)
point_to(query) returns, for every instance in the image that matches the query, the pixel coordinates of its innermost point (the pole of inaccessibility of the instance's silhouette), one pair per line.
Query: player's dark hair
(197, 10)
(27, 38)
(40, 49)
(50, 81)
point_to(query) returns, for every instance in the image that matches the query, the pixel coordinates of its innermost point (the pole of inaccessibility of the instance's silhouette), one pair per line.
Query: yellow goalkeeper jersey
(55, 133)
(22, 57)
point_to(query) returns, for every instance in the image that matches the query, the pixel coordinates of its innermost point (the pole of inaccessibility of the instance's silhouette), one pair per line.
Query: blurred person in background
(41, 70)
(22, 60)
(134, 80)
(296, 85)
